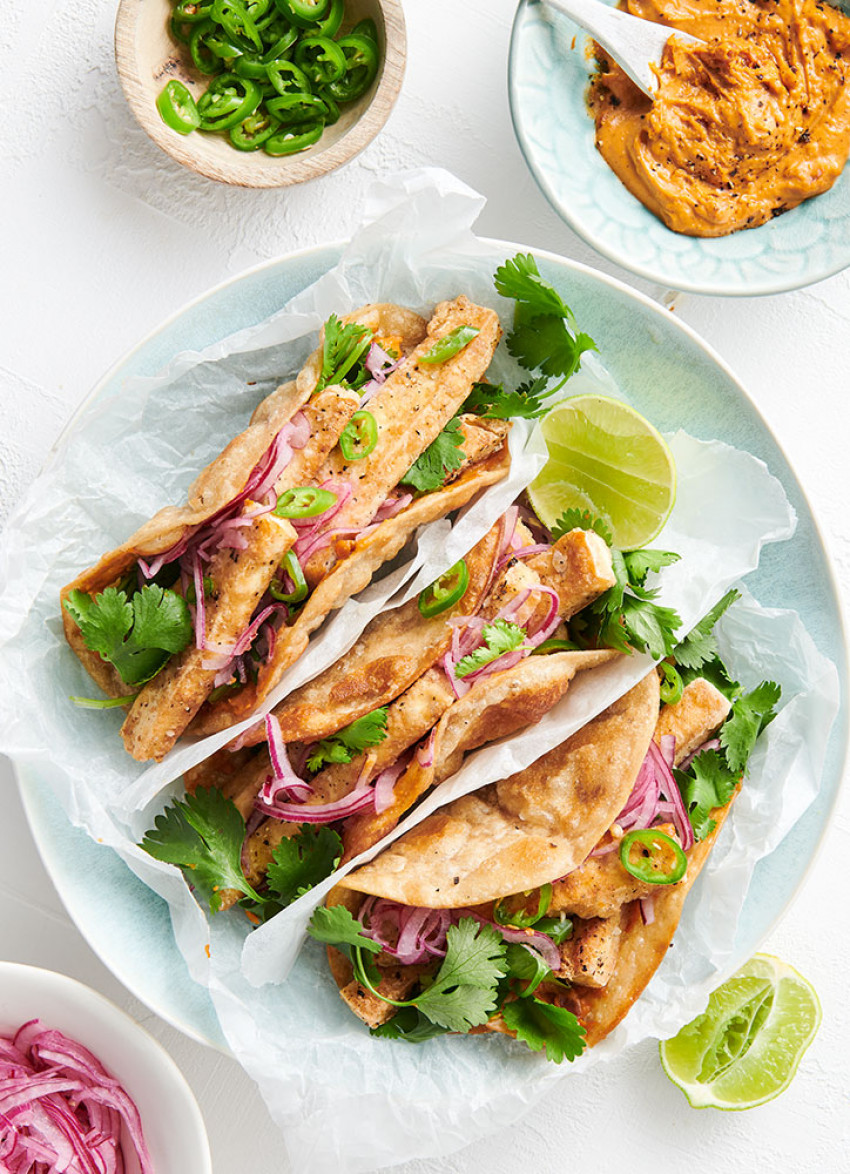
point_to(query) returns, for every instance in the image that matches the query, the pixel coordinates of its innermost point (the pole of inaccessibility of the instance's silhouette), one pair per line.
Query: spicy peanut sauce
(740, 130)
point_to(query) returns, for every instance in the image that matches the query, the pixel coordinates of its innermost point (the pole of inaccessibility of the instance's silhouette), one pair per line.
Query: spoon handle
(635, 44)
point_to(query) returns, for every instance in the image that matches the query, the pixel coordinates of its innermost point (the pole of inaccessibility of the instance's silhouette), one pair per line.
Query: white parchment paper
(348, 1102)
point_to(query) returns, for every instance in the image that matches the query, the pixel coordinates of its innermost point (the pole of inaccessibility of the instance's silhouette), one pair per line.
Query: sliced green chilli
(228, 101)
(524, 920)
(671, 684)
(295, 109)
(359, 436)
(291, 568)
(361, 67)
(321, 59)
(304, 12)
(289, 142)
(450, 344)
(658, 859)
(304, 501)
(177, 108)
(554, 646)
(288, 78)
(445, 592)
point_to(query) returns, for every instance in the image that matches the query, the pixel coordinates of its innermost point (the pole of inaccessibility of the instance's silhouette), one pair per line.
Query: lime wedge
(606, 458)
(745, 1047)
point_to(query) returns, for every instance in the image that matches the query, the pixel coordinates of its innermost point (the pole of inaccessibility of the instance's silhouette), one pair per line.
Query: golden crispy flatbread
(522, 832)
(410, 408)
(224, 478)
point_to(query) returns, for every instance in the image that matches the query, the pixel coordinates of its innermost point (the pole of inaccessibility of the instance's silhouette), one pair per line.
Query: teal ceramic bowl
(548, 76)
(671, 376)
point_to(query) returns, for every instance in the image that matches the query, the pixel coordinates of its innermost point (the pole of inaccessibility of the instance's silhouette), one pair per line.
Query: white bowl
(172, 1122)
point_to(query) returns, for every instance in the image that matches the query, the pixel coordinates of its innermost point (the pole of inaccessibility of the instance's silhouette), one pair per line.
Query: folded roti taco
(567, 879)
(197, 616)
(360, 744)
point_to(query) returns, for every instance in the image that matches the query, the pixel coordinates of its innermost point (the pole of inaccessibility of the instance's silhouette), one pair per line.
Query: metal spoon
(635, 44)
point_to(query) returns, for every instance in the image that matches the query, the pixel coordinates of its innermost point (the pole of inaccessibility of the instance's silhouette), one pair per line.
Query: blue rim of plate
(766, 285)
(120, 917)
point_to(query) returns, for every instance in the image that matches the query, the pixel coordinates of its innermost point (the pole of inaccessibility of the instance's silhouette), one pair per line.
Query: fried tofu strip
(410, 410)
(589, 955)
(166, 706)
(480, 438)
(578, 567)
(697, 716)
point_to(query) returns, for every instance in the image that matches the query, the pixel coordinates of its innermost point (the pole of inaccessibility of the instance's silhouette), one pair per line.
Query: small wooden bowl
(148, 58)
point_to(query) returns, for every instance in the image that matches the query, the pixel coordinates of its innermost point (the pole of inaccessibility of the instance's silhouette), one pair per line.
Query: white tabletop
(103, 236)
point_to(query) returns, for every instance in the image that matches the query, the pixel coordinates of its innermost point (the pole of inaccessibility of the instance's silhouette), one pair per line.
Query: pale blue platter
(548, 76)
(671, 376)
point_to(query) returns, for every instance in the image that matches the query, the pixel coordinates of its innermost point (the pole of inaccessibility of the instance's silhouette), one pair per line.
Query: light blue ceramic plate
(548, 75)
(670, 375)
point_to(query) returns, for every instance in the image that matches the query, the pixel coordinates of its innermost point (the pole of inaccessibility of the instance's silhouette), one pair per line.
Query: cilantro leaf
(343, 348)
(558, 928)
(351, 740)
(137, 636)
(300, 862)
(546, 344)
(203, 835)
(337, 927)
(542, 1026)
(491, 401)
(499, 637)
(463, 993)
(442, 456)
(161, 620)
(409, 1024)
(700, 644)
(625, 617)
(750, 715)
(649, 627)
(578, 519)
(526, 965)
(520, 279)
(709, 783)
(640, 562)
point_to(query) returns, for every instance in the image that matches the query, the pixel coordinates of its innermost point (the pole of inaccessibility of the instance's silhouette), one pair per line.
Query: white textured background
(102, 237)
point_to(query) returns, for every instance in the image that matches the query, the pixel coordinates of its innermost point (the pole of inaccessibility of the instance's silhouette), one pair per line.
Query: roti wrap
(520, 833)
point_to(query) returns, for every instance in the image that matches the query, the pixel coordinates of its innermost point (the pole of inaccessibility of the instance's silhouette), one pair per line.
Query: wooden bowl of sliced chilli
(148, 57)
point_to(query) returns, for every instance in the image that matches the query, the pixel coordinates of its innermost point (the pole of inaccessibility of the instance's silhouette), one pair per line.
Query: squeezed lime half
(745, 1047)
(606, 458)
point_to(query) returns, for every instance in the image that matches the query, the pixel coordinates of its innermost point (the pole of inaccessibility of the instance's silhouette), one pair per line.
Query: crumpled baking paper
(348, 1102)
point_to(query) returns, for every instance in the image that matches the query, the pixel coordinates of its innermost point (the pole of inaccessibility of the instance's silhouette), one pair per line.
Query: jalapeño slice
(359, 436)
(304, 502)
(291, 567)
(445, 591)
(657, 860)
